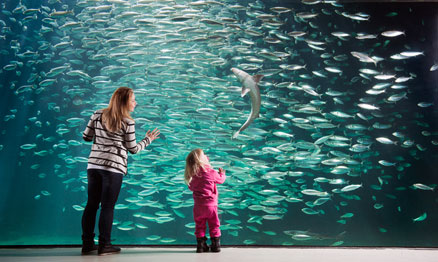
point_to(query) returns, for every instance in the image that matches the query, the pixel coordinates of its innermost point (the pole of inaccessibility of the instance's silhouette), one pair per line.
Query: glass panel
(342, 152)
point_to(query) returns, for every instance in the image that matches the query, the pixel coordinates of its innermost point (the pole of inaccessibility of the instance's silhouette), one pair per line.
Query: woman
(112, 131)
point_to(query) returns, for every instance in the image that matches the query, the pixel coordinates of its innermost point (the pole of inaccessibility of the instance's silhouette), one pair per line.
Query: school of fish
(331, 119)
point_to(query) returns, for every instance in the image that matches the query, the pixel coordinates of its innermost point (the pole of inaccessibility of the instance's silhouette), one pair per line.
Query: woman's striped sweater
(110, 149)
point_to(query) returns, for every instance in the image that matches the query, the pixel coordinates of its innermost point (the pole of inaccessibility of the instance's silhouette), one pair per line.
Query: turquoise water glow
(343, 152)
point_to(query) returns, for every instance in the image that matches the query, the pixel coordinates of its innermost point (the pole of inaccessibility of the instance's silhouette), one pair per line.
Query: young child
(202, 180)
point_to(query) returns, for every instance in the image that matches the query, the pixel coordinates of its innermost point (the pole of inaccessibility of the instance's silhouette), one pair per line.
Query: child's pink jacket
(204, 188)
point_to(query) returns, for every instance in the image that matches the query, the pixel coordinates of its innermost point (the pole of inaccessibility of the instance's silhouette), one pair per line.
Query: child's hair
(193, 164)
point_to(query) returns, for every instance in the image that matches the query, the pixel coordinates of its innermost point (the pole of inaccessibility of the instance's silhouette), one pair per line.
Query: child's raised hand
(221, 171)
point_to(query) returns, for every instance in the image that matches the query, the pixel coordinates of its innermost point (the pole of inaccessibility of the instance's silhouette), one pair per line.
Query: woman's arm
(88, 133)
(130, 140)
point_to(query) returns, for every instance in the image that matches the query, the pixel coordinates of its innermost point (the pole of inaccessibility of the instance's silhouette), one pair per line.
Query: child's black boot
(202, 245)
(215, 244)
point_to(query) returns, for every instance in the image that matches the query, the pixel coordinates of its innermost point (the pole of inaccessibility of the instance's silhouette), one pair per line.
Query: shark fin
(244, 91)
(257, 78)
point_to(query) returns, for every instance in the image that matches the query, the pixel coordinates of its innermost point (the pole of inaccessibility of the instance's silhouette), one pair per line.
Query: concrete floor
(228, 254)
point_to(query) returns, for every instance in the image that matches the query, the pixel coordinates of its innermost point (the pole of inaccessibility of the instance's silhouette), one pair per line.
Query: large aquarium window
(343, 151)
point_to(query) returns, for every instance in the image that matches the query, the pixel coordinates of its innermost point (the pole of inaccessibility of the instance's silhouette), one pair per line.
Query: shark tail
(236, 134)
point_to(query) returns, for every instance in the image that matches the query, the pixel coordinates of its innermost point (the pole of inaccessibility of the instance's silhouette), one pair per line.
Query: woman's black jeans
(103, 188)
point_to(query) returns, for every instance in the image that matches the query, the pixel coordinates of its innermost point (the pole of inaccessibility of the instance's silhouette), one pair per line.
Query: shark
(249, 85)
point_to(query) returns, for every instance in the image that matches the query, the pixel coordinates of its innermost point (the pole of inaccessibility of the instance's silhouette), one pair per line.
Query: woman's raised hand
(153, 135)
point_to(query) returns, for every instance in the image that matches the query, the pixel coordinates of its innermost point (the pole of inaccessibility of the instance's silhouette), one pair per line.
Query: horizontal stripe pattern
(92, 166)
(110, 149)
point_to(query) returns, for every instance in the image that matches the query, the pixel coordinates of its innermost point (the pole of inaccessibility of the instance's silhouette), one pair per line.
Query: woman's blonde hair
(117, 109)
(193, 164)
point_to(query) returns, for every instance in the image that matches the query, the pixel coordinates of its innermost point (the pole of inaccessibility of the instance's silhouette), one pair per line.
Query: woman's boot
(215, 244)
(202, 245)
(88, 246)
(107, 249)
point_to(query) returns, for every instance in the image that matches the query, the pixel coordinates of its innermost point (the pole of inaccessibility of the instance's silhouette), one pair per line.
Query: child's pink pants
(204, 214)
